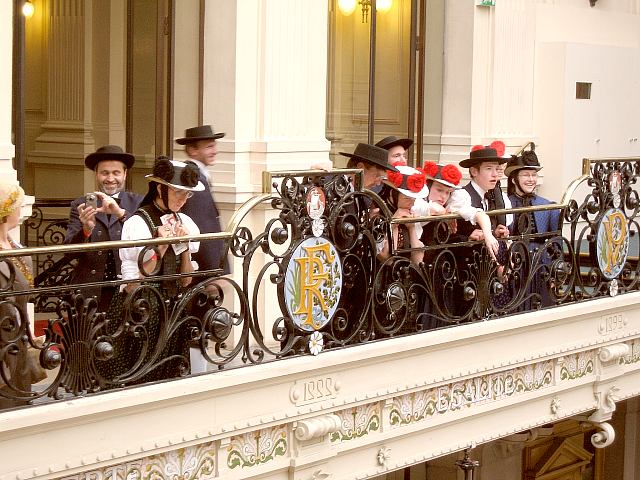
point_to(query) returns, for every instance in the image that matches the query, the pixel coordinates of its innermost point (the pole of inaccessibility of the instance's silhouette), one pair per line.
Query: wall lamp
(28, 9)
(347, 7)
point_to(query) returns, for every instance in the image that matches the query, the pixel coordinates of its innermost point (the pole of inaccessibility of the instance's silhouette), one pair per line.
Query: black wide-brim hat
(171, 173)
(109, 152)
(487, 154)
(391, 141)
(525, 160)
(195, 134)
(371, 154)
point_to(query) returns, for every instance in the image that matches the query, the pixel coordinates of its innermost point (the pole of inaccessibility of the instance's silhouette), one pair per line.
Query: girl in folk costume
(446, 196)
(19, 364)
(170, 185)
(400, 191)
(522, 171)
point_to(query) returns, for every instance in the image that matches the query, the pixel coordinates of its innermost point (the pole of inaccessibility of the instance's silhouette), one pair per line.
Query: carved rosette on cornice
(317, 427)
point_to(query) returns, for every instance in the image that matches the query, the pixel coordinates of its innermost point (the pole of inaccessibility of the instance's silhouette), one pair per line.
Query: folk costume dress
(140, 227)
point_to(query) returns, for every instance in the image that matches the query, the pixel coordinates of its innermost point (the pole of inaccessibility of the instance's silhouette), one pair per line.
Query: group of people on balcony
(179, 203)
(435, 189)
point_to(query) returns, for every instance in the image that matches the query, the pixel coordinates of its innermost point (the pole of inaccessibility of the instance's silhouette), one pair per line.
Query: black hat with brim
(109, 152)
(195, 134)
(170, 172)
(392, 141)
(371, 154)
(487, 154)
(526, 160)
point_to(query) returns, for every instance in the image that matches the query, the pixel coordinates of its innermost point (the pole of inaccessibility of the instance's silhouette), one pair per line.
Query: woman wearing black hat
(522, 171)
(170, 185)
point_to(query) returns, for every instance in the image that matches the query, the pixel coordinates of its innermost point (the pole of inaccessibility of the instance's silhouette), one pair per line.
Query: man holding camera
(98, 217)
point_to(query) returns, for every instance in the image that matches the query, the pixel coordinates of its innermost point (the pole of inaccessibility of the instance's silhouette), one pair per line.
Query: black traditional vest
(170, 262)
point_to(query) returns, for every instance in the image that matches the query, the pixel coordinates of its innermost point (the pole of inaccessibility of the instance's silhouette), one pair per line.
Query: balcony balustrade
(311, 286)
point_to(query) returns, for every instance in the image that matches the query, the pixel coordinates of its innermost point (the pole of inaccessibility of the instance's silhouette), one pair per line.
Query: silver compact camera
(91, 200)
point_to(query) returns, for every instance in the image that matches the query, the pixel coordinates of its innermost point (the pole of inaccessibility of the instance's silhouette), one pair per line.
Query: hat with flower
(485, 153)
(448, 175)
(409, 181)
(11, 197)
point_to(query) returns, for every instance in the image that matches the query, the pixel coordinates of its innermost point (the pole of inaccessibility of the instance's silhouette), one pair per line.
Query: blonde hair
(11, 197)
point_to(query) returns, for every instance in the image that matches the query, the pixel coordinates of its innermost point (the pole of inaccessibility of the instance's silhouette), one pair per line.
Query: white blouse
(459, 202)
(135, 228)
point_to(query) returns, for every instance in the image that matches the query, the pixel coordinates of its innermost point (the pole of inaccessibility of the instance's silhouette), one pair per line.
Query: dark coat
(92, 266)
(203, 211)
(546, 220)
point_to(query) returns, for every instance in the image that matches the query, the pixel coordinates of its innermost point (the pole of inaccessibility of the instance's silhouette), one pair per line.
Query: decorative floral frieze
(577, 365)
(258, 447)
(190, 463)
(417, 406)
(634, 355)
(357, 422)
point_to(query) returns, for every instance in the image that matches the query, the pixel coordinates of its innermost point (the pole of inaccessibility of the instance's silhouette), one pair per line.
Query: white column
(488, 76)
(6, 53)
(265, 75)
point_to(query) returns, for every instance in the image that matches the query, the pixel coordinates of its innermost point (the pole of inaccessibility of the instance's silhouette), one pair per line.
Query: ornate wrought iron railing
(317, 257)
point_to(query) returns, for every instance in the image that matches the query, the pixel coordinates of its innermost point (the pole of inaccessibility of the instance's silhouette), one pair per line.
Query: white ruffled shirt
(135, 228)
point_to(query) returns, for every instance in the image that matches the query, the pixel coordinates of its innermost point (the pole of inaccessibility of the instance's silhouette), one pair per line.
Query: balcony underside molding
(389, 398)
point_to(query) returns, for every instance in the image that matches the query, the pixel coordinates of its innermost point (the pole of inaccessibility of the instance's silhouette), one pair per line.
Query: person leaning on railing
(19, 363)
(170, 185)
(400, 191)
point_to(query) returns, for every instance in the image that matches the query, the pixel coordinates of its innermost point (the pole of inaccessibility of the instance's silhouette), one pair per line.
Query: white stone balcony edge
(353, 413)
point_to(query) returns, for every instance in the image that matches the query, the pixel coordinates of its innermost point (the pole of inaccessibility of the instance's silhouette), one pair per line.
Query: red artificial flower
(430, 169)
(416, 181)
(499, 147)
(399, 163)
(477, 147)
(451, 174)
(395, 178)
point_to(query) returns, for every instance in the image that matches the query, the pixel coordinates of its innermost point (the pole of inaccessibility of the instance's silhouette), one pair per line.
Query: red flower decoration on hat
(477, 147)
(399, 163)
(451, 174)
(395, 178)
(430, 169)
(416, 181)
(499, 147)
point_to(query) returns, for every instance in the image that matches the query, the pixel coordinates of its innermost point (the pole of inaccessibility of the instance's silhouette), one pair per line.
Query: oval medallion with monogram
(612, 243)
(313, 283)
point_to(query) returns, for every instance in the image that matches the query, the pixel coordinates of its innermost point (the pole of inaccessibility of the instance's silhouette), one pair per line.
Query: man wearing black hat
(397, 148)
(102, 222)
(200, 146)
(484, 168)
(371, 159)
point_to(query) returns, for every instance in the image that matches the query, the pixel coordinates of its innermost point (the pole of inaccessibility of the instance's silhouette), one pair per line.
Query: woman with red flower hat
(400, 191)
